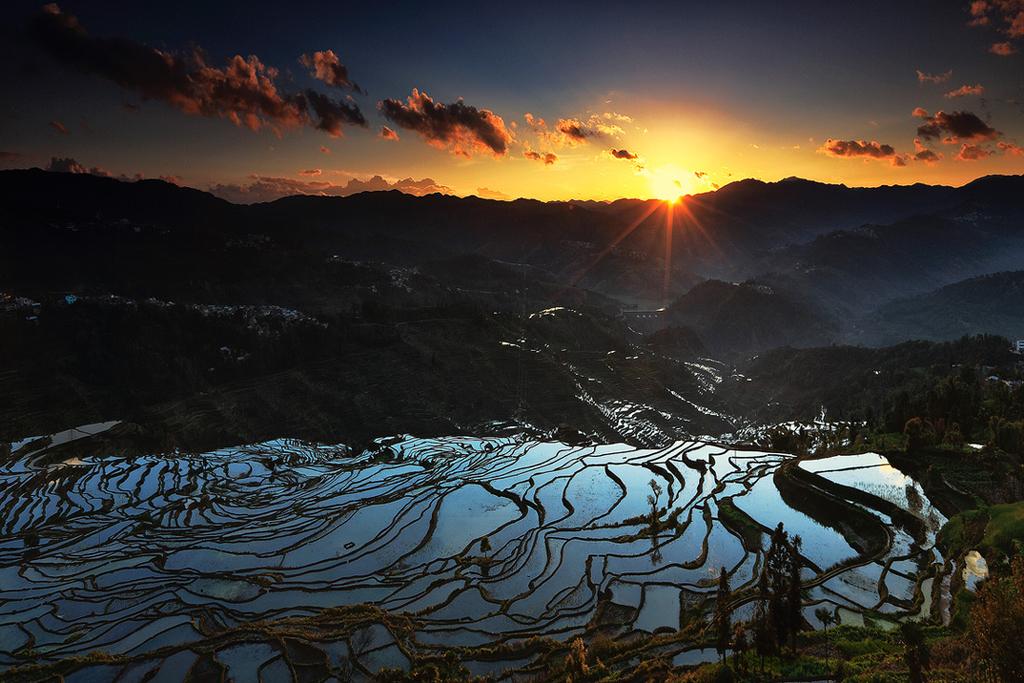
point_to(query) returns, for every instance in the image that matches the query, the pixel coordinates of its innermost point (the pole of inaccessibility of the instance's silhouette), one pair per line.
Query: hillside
(992, 304)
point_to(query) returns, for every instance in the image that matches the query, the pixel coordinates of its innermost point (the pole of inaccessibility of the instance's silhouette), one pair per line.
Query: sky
(551, 101)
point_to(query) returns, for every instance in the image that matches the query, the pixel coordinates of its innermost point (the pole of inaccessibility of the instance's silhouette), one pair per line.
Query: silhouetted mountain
(732, 318)
(991, 304)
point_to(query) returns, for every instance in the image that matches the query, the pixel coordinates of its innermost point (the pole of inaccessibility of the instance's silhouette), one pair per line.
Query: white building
(1017, 346)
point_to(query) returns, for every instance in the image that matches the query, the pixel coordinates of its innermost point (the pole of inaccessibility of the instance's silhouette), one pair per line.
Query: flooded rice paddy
(478, 541)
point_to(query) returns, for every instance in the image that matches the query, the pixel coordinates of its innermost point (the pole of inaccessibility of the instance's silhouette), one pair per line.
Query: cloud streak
(460, 128)
(965, 91)
(928, 78)
(243, 92)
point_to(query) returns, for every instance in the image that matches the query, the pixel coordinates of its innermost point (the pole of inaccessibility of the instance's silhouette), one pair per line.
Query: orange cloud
(966, 90)
(243, 92)
(387, 133)
(60, 127)
(1007, 15)
(458, 127)
(972, 153)
(922, 153)
(941, 78)
(485, 193)
(537, 124)
(1003, 49)
(312, 172)
(328, 69)
(324, 150)
(546, 159)
(1010, 149)
(961, 126)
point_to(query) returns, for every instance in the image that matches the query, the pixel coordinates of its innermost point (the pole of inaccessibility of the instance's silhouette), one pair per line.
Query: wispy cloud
(547, 158)
(940, 78)
(60, 127)
(387, 134)
(965, 91)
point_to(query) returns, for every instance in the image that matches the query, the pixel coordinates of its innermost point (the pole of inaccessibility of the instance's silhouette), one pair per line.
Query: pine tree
(794, 596)
(723, 614)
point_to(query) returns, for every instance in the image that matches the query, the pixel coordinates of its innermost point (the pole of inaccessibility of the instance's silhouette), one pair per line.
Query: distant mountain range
(341, 318)
(841, 252)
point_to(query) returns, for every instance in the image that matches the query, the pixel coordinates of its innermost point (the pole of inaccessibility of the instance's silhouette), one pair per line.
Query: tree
(740, 645)
(777, 565)
(997, 620)
(915, 652)
(920, 433)
(652, 499)
(485, 544)
(827, 618)
(723, 615)
(764, 633)
(794, 594)
(576, 668)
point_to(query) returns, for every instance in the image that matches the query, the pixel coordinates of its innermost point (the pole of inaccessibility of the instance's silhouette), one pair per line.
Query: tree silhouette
(723, 615)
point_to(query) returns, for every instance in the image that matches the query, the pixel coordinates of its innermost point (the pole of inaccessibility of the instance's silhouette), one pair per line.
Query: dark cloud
(387, 133)
(959, 126)
(547, 159)
(312, 172)
(265, 189)
(331, 115)
(623, 154)
(966, 90)
(132, 108)
(860, 148)
(941, 78)
(459, 127)
(243, 92)
(573, 132)
(60, 128)
(924, 154)
(972, 153)
(328, 69)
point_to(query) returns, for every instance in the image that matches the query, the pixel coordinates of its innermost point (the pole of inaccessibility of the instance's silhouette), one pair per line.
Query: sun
(666, 187)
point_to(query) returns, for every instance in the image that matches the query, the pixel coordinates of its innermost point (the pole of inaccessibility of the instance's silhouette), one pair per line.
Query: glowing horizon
(686, 99)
